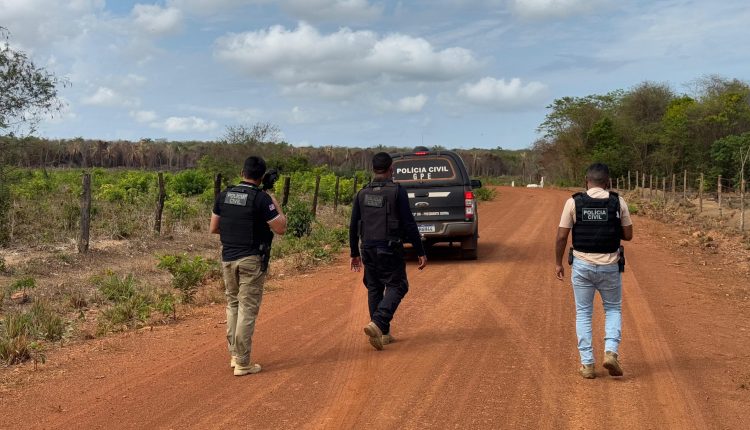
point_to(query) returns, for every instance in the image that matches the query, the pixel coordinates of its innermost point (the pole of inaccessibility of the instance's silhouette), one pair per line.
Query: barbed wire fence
(726, 197)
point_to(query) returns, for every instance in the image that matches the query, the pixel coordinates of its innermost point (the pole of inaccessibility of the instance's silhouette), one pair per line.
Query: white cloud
(176, 124)
(502, 95)
(411, 104)
(157, 20)
(333, 10)
(107, 97)
(303, 59)
(554, 8)
(211, 7)
(143, 116)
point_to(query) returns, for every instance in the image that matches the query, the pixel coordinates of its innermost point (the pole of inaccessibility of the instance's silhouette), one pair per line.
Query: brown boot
(587, 371)
(387, 339)
(612, 364)
(375, 334)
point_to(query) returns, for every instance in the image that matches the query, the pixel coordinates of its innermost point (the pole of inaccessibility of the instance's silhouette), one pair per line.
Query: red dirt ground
(480, 344)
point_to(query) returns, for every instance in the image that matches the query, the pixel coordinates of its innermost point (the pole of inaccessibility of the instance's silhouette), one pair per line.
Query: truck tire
(469, 247)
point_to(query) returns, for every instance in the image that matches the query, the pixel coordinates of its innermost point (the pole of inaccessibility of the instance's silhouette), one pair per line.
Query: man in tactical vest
(245, 217)
(600, 220)
(381, 220)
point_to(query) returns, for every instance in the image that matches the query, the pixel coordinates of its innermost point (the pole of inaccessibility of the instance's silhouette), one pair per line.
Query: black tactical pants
(385, 279)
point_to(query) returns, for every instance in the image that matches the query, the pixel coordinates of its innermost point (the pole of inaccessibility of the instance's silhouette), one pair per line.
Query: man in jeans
(599, 220)
(244, 216)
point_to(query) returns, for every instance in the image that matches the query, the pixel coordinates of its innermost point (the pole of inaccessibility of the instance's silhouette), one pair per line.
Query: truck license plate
(427, 228)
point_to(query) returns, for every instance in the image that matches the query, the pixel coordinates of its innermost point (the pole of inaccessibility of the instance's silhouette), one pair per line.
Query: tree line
(230, 151)
(649, 128)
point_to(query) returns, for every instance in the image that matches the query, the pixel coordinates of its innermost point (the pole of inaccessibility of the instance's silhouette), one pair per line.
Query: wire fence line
(726, 195)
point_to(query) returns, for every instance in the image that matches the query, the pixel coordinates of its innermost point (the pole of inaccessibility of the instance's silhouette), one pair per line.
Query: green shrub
(187, 273)
(45, 322)
(178, 207)
(166, 305)
(190, 182)
(3, 266)
(19, 328)
(24, 284)
(14, 350)
(128, 313)
(299, 219)
(633, 208)
(114, 288)
(485, 194)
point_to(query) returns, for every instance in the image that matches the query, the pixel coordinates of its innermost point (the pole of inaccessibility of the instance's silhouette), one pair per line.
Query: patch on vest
(374, 201)
(236, 199)
(594, 214)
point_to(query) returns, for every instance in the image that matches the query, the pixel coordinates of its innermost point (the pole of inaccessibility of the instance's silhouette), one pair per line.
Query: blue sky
(457, 73)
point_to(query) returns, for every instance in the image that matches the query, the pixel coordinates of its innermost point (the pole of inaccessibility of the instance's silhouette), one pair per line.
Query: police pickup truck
(440, 196)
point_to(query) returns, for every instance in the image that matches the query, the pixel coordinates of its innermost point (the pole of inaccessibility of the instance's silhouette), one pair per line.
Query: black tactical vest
(236, 223)
(598, 227)
(379, 219)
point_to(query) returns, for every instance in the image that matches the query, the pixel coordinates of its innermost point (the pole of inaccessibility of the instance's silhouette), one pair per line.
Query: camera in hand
(269, 179)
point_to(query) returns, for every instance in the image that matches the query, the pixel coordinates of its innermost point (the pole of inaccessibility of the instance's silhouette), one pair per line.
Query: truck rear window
(424, 169)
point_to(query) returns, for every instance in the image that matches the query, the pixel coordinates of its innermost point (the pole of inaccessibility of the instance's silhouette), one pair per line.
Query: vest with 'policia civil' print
(238, 217)
(598, 228)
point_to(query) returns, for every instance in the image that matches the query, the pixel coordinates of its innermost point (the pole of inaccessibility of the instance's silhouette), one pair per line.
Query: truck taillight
(469, 205)
(420, 153)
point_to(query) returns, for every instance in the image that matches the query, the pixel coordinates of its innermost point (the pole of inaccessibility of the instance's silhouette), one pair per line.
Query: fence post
(637, 178)
(160, 204)
(315, 196)
(718, 190)
(618, 183)
(285, 198)
(83, 240)
(217, 186)
(651, 185)
(742, 205)
(628, 180)
(684, 185)
(700, 196)
(664, 188)
(336, 195)
(643, 184)
(674, 178)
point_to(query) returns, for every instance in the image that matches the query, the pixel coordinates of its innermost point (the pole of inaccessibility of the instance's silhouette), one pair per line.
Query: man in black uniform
(244, 216)
(382, 219)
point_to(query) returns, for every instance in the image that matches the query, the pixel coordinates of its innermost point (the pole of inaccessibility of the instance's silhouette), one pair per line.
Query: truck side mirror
(476, 183)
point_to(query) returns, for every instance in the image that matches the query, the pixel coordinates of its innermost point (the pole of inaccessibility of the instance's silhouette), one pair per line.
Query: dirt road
(484, 344)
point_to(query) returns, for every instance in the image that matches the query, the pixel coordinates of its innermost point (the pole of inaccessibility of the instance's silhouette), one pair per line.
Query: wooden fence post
(160, 204)
(684, 185)
(651, 185)
(643, 184)
(285, 198)
(742, 204)
(315, 196)
(336, 195)
(664, 188)
(217, 186)
(628, 180)
(674, 178)
(718, 190)
(700, 195)
(618, 183)
(83, 240)
(637, 178)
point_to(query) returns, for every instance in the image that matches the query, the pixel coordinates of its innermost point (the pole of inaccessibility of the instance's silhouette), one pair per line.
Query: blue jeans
(587, 280)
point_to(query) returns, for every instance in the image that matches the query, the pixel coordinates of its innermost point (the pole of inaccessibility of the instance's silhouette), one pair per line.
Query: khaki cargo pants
(243, 280)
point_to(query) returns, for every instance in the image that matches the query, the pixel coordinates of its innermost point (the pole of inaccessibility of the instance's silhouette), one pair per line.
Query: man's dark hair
(598, 174)
(381, 162)
(254, 168)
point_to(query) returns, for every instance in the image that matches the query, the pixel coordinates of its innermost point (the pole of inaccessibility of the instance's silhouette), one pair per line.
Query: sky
(455, 73)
